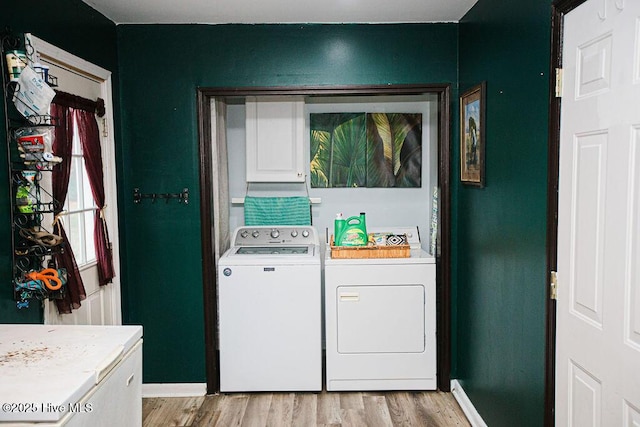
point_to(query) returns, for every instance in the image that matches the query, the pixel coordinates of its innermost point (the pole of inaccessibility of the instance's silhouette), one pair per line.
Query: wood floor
(369, 409)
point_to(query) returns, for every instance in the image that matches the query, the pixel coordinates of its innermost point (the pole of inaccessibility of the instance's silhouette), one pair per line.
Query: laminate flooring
(369, 409)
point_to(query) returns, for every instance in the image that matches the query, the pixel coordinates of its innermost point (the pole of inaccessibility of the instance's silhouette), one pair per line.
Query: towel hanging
(294, 210)
(285, 210)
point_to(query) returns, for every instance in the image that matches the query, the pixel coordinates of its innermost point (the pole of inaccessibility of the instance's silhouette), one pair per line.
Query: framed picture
(472, 141)
(377, 150)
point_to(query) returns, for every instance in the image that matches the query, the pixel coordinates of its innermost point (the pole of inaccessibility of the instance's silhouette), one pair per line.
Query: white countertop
(44, 365)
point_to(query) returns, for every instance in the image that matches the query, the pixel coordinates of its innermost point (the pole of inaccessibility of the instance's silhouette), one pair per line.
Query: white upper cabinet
(275, 139)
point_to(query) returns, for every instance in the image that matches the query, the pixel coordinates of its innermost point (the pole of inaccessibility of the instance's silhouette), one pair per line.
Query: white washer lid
(51, 366)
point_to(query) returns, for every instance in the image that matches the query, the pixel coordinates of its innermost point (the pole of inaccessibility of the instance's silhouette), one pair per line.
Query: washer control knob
(255, 234)
(244, 234)
(294, 233)
(305, 233)
(275, 234)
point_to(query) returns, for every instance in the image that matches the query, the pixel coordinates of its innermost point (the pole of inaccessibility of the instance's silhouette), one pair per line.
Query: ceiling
(280, 11)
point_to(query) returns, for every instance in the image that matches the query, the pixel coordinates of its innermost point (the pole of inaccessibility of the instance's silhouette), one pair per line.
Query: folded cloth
(277, 210)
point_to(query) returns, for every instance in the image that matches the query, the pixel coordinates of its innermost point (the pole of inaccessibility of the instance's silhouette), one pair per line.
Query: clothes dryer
(380, 320)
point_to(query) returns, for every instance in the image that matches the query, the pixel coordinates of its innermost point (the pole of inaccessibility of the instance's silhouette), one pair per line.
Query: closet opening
(220, 118)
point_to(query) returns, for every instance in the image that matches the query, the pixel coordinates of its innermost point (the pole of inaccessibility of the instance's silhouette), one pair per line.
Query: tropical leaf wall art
(366, 150)
(338, 150)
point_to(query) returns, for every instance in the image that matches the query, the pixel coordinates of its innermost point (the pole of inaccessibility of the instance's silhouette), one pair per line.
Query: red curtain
(62, 146)
(89, 136)
(67, 109)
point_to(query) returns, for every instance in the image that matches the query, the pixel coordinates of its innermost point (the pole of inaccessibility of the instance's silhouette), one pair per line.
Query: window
(80, 208)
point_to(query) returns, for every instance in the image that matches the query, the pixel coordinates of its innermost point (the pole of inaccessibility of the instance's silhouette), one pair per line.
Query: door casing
(95, 72)
(558, 10)
(443, 259)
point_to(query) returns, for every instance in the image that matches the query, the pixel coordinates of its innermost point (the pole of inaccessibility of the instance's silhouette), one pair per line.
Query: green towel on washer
(277, 210)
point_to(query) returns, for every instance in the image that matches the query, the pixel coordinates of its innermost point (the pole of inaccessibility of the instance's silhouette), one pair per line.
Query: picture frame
(472, 136)
(365, 149)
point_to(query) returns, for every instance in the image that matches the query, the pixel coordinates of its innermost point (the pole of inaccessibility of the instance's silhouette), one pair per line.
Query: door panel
(90, 312)
(587, 234)
(632, 282)
(381, 319)
(631, 415)
(78, 77)
(598, 356)
(585, 396)
(594, 66)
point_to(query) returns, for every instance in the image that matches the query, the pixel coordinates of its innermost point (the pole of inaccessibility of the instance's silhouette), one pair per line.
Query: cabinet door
(381, 319)
(275, 139)
(116, 400)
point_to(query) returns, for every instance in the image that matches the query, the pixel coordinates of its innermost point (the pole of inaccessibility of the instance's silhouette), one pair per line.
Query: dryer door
(381, 319)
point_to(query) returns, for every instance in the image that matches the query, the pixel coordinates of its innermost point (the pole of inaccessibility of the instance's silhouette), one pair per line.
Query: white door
(102, 305)
(598, 303)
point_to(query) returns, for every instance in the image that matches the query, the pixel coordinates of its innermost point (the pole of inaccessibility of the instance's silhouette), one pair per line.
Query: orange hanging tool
(47, 276)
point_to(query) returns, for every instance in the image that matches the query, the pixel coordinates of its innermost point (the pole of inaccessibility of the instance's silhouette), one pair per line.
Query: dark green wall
(80, 30)
(160, 68)
(501, 229)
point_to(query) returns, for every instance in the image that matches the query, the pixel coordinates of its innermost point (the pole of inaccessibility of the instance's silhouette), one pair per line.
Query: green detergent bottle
(354, 232)
(338, 228)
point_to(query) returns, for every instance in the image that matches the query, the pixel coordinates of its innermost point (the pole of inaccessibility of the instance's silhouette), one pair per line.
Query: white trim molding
(465, 403)
(174, 389)
(103, 77)
(47, 50)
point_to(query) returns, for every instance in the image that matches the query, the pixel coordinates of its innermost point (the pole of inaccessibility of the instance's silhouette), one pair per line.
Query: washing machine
(269, 309)
(380, 320)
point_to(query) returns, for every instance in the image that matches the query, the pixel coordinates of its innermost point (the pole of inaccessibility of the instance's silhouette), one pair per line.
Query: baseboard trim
(465, 403)
(174, 390)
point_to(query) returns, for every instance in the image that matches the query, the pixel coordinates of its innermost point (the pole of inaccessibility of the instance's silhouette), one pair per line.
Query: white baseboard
(174, 390)
(465, 403)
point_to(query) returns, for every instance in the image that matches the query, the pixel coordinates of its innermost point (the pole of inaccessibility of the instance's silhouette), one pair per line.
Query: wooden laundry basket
(369, 251)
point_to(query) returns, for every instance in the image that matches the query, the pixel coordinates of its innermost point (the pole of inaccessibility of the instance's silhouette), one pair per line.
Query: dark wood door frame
(443, 258)
(558, 9)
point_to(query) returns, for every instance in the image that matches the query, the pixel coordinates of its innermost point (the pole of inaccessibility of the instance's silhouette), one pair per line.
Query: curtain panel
(62, 146)
(70, 109)
(89, 137)
(219, 169)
